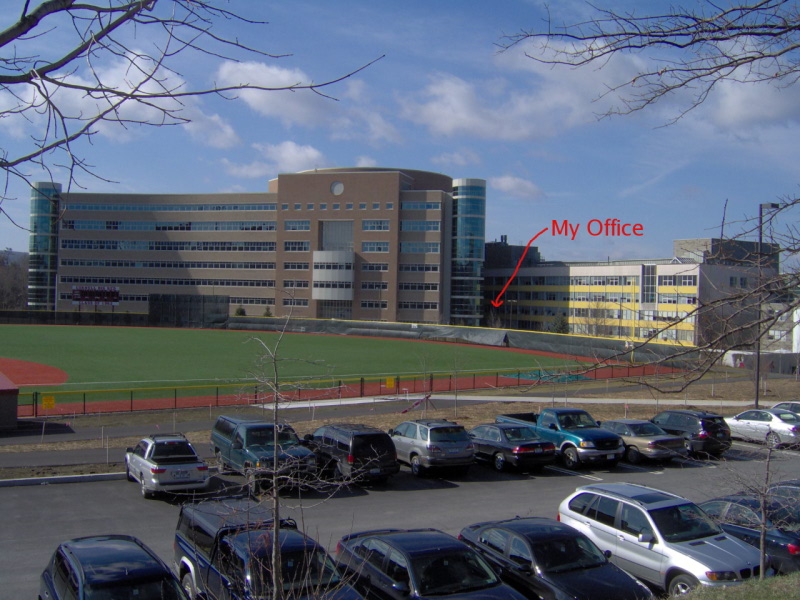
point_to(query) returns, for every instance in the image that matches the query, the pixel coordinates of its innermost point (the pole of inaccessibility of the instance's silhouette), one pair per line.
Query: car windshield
(567, 554)
(313, 571)
(576, 420)
(164, 588)
(264, 436)
(456, 571)
(372, 445)
(646, 429)
(172, 449)
(683, 523)
(714, 422)
(784, 515)
(789, 417)
(449, 434)
(520, 434)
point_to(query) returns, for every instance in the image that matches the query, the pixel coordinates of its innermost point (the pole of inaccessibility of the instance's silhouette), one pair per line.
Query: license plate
(720, 435)
(453, 450)
(538, 451)
(180, 474)
(611, 456)
(374, 471)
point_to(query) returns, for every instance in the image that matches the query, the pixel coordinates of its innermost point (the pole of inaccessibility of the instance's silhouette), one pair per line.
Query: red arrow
(497, 303)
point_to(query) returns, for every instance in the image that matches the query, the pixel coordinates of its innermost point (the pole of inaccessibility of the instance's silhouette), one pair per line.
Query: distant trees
(13, 281)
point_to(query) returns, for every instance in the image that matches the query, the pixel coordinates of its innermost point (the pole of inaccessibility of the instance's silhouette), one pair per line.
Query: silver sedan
(775, 427)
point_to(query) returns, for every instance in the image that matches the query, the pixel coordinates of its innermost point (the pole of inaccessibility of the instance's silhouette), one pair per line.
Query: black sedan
(504, 444)
(419, 563)
(740, 516)
(551, 560)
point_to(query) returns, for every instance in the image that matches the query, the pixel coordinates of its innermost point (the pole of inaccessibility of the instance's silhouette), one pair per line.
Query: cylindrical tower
(469, 233)
(45, 211)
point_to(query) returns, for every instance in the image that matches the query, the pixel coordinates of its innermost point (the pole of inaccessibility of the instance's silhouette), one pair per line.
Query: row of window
(139, 207)
(334, 285)
(164, 264)
(169, 281)
(420, 205)
(84, 225)
(337, 206)
(167, 246)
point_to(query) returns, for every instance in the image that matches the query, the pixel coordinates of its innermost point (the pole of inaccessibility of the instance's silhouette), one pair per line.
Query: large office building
(704, 291)
(360, 243)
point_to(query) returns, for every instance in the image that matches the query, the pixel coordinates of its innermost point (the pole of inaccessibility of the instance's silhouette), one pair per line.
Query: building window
(374, 285)
(348, 206)
(362, 206)
(298, 206)
(419, 268)
(375, 225)
(295, 283)
(323, 206)
(419, 287)
(374, 246)
(297, 225)
(374, 266)
(284, 207)
(666, 280)
(418, 305)
(334, 285)
(336, 206)
(296, 246)
(309, 207)
(417, 205)
(688, 280)
(374, 304)
(420, 226)
(390, 206)
(419, 247)
(376, 206)
(295, 302)
(648, 283)
(295, 266)
(326, 266)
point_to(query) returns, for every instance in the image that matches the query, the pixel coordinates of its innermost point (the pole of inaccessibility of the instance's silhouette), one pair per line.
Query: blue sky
(444, 99)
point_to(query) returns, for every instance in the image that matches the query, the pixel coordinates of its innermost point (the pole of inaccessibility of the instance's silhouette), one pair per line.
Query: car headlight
(621, 443)
(587, 444)
(721, 575)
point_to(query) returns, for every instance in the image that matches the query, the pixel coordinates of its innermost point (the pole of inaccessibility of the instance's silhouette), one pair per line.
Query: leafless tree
(70, 69)
(691, 50)
(13, 281)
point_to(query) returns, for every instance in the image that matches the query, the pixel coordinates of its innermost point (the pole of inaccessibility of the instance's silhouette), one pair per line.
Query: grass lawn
(113, 357)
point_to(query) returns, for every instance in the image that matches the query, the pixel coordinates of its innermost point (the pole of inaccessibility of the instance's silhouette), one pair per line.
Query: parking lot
(37, 518)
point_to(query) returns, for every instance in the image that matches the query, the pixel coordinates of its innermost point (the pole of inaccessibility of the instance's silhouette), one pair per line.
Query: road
(37, 518)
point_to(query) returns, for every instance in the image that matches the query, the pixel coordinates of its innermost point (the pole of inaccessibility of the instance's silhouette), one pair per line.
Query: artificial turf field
(129, 357)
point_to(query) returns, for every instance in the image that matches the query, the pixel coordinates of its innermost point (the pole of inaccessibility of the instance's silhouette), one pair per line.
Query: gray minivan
(659, 537)
(427, 443)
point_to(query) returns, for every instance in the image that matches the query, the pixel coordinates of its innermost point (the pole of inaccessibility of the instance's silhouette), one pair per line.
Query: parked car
(165, 462)
(774, 426)
(792, 406)
(107, 566)
(427, 443)
(354, 452)
(578, 438)
(703, 432)
(223, 549)
(551, 560)
(740, 515)
(509, 444)
(646, 440)
(247, 447)
(419, 563)
(658, 537)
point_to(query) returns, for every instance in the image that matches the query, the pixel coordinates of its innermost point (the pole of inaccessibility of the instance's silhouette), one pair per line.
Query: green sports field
(121, 357)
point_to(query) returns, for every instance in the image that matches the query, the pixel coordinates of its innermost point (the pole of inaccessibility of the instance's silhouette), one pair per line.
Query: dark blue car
(107, 566)
(419, 563)
(547, 559)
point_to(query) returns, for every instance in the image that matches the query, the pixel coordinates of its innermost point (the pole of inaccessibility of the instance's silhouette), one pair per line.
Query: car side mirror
(237, 445)
(598, 423)
(129, 450)
(553, 426)
(390, 432)
(607, 553)
(646, 538)
(401, 587)
(308, 437)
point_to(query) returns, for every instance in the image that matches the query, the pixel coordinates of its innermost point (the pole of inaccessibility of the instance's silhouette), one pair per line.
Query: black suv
(353, 451)
(703, 432)
(107, 566)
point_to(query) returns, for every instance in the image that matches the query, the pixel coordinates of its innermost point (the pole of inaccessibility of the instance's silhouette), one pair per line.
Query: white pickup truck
(165, 462)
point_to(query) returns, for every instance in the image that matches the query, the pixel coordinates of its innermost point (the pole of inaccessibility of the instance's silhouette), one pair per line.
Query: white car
(659, 537)
(775, 427)
(165, 462)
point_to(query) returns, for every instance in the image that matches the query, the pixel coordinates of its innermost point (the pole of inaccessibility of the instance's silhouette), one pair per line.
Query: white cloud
(459, 158)
(366, 161)
(302, 107)
(212, 130)
(737, 105)
(517, 187)
(286, 157)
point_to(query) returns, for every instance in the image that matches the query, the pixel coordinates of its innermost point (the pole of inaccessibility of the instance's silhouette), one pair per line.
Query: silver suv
(659, 537)
(426, 443)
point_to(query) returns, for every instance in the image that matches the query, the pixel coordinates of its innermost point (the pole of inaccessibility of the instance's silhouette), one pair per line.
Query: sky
(444, 98)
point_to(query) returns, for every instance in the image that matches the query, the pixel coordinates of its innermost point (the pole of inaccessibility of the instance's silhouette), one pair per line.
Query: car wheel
(571, 458)
(146, 493)
(682, 584)
(188, 585)
(632, 455)
(499, 462)
(773, 440)
(416, 466)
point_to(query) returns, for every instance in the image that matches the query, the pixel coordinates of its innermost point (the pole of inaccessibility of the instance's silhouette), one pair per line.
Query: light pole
(761, 208)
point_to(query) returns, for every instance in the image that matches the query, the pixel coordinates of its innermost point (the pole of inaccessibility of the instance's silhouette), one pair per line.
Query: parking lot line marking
(573, 473)
(640, 469)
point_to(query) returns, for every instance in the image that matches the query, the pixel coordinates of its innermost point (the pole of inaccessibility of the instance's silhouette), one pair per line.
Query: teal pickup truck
(248, 447)
(578, 438)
